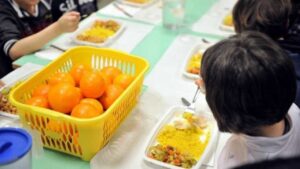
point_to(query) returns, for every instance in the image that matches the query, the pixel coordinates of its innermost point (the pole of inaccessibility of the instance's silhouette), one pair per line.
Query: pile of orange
(82, 92)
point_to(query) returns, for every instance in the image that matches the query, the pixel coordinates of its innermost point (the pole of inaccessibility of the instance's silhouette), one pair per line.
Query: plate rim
(88, 25)
(192, 51)
(166, 118)
(124, 2)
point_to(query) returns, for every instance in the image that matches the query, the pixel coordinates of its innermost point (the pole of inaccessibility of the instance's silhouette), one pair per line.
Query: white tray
(167, 118)
(195, 49)
(89, 25)
(22, 76)
(150, 2)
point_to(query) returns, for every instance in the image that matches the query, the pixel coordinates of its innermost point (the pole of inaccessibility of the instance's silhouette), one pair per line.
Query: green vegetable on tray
(171, 155)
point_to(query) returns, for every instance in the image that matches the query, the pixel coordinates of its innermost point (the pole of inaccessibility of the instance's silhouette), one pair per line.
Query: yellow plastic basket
(80, 137)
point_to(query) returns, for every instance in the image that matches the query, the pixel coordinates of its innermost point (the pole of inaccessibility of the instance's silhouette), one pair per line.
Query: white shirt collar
(269, 144)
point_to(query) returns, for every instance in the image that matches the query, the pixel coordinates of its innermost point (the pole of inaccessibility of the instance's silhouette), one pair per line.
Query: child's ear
(198, 82)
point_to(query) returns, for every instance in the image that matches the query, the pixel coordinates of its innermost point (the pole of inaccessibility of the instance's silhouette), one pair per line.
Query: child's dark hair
(268, 16)
(250, 82)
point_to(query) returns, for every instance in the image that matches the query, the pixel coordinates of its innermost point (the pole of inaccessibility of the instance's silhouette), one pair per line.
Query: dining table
(165, 83)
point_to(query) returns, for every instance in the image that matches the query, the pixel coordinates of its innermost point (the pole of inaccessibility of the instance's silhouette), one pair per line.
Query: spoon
(205, 41)
(187, 103)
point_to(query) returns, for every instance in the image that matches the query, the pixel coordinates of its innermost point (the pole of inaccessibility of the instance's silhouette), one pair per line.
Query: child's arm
(67, 23)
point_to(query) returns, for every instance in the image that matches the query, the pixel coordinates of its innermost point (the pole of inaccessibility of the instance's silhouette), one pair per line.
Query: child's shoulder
(294, 113)
(7, 11)
(234, 152)
(5, 6)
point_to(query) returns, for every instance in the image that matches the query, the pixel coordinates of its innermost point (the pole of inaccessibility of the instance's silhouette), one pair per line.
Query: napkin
(48, 53)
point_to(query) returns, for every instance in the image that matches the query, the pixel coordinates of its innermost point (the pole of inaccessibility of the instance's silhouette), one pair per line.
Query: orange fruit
(79, 91)
(92, 85)
(111, 93)
(63, 97)
(41, 90)
(111, 72)
(60, 77)
(55, 126)
(75, 138)
(84, 110)
(95, 103)
(106, 78)
(123, 80)
(78, 70)
(38, 101)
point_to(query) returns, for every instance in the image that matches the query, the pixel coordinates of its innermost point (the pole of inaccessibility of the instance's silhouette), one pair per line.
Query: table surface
(152, 48)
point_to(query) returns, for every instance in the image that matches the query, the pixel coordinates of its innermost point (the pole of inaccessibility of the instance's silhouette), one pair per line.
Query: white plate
(89, 25)
(168, 117)
(227, 28)
(195, 49)
(21, 77)
(150, 2)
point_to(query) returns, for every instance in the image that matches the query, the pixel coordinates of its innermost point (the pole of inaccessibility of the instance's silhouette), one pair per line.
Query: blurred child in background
(84, 7)
(274, 18)
(250, 86)
(292, 40)
(26, 26)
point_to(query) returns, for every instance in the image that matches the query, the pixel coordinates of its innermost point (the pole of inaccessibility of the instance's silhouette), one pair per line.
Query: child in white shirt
(250, 86)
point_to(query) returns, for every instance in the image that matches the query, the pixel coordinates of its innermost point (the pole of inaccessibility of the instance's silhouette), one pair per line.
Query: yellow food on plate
(187, 140)
(99, 32)
(228, 20)
(194, 63)
(138, 1)
(171, 155)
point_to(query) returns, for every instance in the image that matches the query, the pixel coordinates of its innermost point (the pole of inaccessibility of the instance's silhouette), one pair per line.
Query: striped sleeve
(8, 45)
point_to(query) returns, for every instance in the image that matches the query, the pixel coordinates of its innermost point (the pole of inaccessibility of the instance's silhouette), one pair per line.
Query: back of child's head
(268, 16)
(250, 82)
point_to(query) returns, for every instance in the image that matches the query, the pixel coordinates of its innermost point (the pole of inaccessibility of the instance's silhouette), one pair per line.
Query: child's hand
(69, 21)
